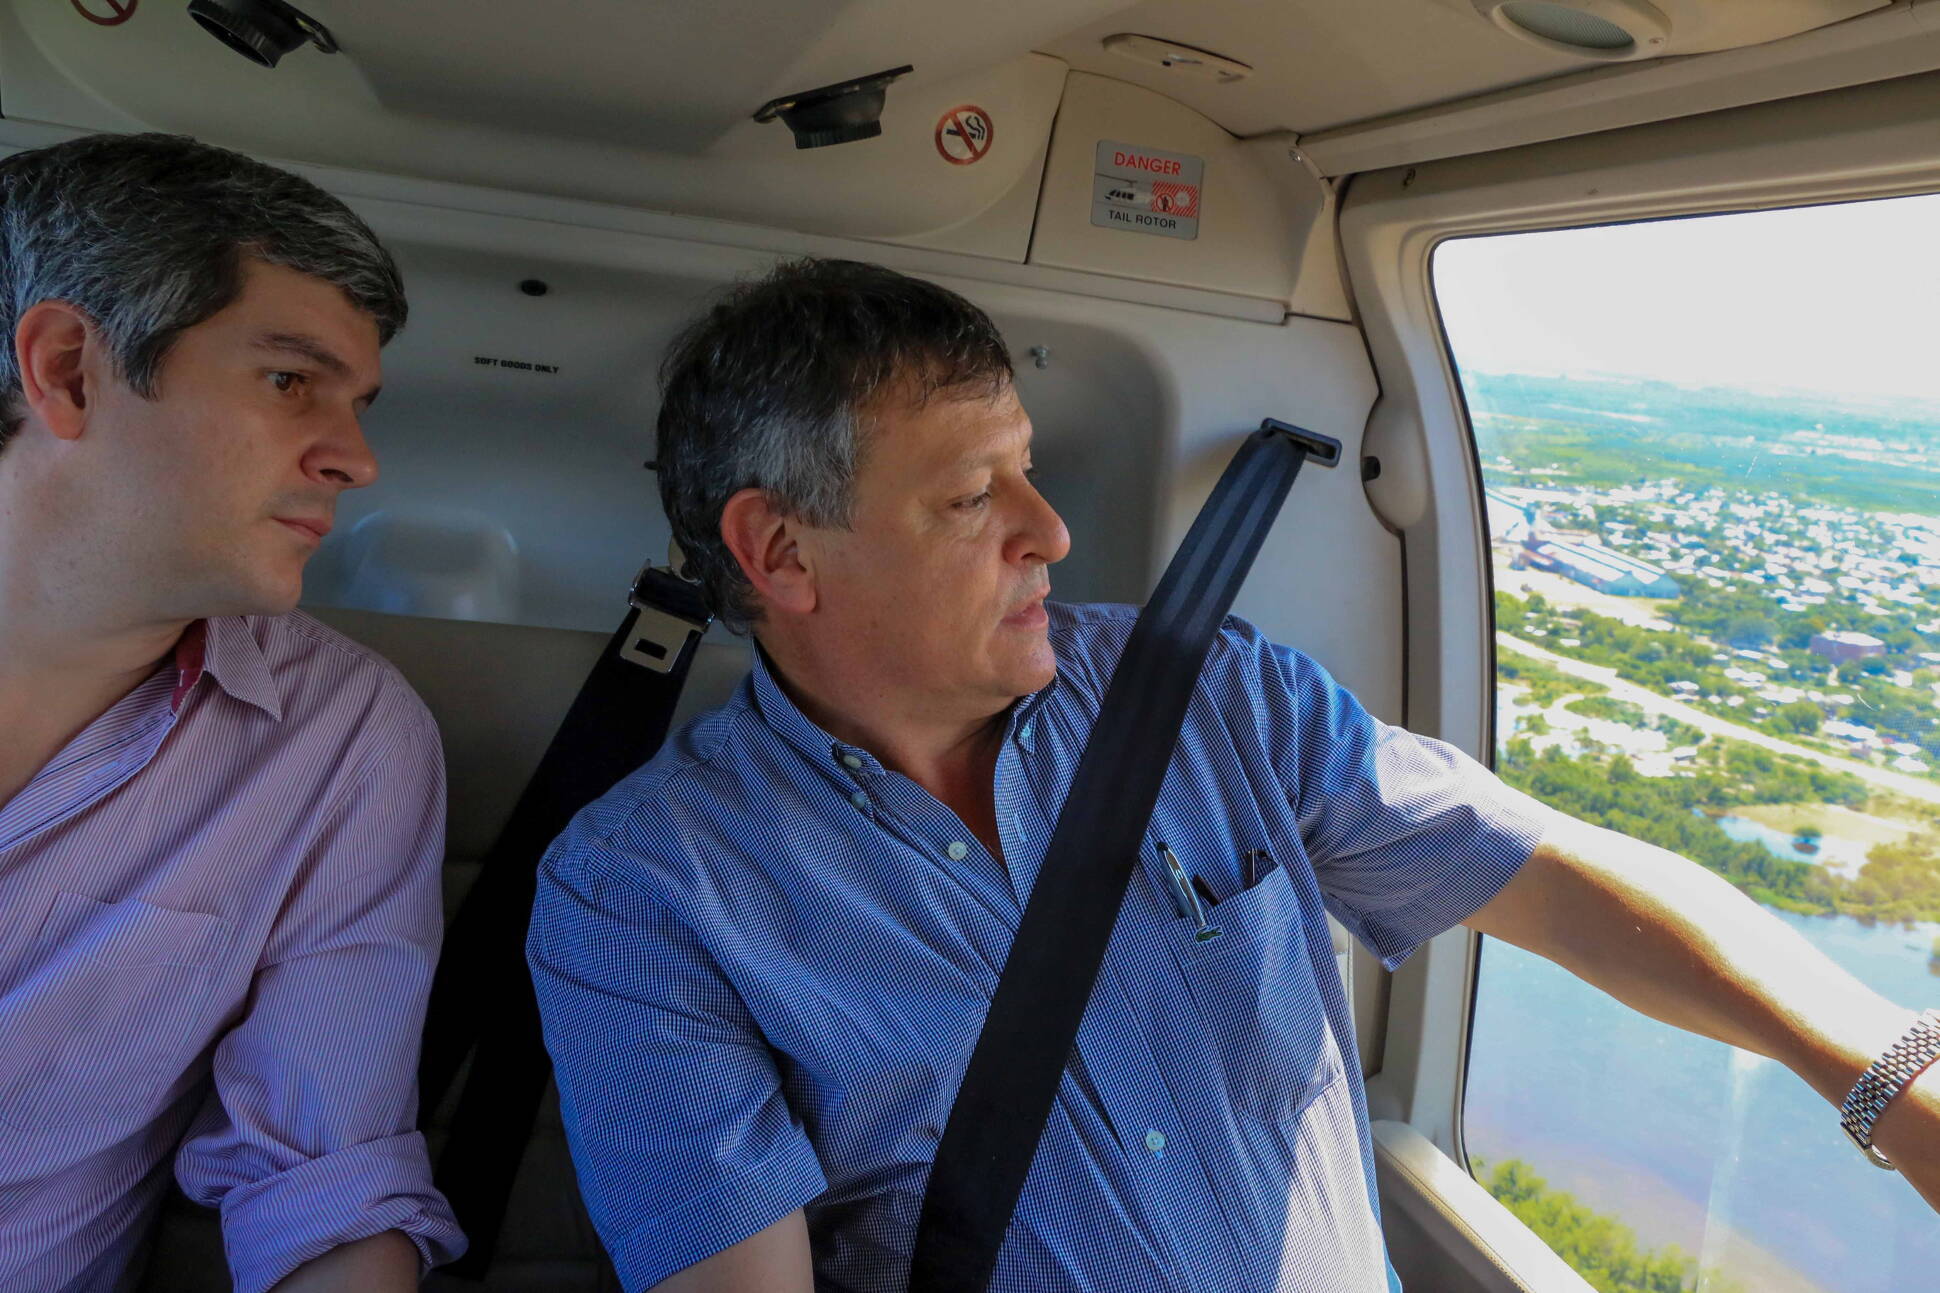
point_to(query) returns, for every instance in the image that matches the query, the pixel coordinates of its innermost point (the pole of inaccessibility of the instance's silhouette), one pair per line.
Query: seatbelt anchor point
(669, 616)
(1322, 450)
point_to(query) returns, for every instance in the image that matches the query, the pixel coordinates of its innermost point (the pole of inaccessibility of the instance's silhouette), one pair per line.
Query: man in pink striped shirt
(220, 823)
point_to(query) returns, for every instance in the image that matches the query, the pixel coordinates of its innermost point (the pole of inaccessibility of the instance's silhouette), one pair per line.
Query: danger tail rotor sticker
(1143, 190)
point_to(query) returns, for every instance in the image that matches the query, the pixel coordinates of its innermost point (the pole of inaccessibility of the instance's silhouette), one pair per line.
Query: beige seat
(498, 693)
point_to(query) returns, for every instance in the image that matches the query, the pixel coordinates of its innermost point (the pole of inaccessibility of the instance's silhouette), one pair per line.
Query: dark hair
(772, 387)
(147, 235)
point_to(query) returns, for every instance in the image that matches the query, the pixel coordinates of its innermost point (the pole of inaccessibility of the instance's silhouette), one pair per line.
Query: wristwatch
(1903, 1061)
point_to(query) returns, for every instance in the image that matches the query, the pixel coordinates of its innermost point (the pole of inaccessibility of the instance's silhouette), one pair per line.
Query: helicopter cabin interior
(1185, 215)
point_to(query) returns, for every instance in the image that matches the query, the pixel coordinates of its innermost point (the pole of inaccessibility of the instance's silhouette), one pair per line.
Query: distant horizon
(1839, 301)
(1929, 403)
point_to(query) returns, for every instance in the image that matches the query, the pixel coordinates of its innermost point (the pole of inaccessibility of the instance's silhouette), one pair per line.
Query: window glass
(1711, 456)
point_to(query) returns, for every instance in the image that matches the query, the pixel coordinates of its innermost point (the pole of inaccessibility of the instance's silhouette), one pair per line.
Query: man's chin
(1034, 672)
(258, 597)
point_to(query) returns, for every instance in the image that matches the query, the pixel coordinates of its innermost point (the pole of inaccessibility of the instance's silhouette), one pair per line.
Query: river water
(1693, 1143)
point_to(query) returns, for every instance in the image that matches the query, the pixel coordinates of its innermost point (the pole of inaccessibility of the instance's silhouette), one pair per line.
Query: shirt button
(1155, 1141)
(850, 761)
(957, 850)
(859, 799)
(1024, 732)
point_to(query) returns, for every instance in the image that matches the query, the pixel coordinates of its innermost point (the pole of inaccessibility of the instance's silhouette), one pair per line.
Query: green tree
(1603, 1250)
(1749, 631)
(1801, 716)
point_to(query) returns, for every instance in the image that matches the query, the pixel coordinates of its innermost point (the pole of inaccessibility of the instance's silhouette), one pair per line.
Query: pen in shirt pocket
(1186, 892)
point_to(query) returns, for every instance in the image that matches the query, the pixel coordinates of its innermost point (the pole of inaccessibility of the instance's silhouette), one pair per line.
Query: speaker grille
(1567, 26)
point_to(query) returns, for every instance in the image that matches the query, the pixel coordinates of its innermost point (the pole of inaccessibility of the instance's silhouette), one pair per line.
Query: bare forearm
(386, 1263)
(1678, 943)
(1672, 940)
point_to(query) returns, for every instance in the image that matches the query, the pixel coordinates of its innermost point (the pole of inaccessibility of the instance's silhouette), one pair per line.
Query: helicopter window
(1710, 456)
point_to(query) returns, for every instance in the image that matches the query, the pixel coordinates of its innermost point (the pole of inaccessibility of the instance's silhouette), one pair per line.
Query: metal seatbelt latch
(669, 615)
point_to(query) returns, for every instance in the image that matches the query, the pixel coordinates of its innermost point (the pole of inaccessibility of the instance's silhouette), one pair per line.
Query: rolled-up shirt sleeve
(682, 1139)
(1408, 836)
(309, 1138)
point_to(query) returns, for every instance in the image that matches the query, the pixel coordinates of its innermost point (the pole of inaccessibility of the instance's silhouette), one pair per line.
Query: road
(1898, 783)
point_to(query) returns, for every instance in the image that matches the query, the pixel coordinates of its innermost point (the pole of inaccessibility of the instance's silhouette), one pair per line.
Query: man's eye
(972, 504)
(286, 382)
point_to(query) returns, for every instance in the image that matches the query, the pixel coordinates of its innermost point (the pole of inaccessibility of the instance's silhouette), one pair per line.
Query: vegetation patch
(1608, 707)
(1546, 683)
(1601, 1249)
(1899, 883)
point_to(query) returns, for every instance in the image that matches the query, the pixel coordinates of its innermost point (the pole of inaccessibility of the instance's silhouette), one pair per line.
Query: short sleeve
(683, 1141)
(1407, 835)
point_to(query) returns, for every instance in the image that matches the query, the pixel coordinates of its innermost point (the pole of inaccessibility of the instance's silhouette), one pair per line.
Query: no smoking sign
(106, 13)
(963, 135)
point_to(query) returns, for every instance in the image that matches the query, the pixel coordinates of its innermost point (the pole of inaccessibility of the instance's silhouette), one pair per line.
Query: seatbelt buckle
(669, 615)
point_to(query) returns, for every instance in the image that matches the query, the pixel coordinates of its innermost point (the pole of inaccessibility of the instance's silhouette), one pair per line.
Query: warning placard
(963, 135)
(1143, 190)
(114, 12)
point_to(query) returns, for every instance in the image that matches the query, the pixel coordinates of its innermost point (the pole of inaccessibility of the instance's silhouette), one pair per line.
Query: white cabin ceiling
(605, 99)
(672, 77)
(1318, 64)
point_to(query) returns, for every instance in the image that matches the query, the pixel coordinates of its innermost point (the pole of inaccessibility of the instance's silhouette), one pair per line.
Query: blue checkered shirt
(764, 958)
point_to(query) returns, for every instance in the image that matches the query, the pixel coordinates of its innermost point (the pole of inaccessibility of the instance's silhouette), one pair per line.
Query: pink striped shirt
(219, 915)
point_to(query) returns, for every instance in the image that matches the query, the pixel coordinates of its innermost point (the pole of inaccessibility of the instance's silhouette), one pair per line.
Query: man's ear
(766, 543)
(52, 346)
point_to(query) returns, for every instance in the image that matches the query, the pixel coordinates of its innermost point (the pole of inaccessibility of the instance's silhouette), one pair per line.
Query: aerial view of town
(1717, 629)
(1750, 639)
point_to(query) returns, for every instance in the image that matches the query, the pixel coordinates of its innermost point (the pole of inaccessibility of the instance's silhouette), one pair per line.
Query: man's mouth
(1030, 614)
(314, 528)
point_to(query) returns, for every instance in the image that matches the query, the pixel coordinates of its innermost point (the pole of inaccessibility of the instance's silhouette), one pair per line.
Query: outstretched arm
(1678, 943)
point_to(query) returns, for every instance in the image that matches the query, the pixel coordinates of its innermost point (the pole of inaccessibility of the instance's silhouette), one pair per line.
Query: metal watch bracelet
(1903, 1061)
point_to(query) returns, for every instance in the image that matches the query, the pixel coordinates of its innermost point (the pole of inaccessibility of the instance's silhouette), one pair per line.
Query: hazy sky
(1843, 299)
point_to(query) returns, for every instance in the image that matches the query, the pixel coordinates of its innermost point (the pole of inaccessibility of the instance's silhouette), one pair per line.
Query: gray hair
(770, 389)
(147, 235)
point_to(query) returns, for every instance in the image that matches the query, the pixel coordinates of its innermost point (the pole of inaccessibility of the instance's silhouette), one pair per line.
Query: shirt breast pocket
(104, 1017)
(1260, 1002)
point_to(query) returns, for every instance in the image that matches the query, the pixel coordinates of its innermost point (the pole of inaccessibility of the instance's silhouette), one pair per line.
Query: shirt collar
(225, 650)
(781, 713)
(1023, 716)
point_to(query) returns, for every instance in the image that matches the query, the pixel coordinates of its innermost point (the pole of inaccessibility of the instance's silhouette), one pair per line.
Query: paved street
(1885, 778)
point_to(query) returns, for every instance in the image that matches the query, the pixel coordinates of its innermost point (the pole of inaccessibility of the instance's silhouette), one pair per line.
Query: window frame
(1863, 142)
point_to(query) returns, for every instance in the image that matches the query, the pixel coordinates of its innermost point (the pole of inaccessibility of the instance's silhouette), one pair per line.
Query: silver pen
(1186, 898)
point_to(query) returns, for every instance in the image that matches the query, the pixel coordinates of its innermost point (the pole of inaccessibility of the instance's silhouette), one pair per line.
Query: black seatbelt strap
(1012, 1081)
(482, 1002)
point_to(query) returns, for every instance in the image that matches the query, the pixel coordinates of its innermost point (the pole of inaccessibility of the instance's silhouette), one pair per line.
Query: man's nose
(341, 456)
(1042, 535)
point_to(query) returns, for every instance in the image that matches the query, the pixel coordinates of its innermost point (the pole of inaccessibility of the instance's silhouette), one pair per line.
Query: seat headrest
(499, 692)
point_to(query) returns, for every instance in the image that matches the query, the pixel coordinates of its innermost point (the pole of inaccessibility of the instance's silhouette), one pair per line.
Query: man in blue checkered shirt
(764, 959)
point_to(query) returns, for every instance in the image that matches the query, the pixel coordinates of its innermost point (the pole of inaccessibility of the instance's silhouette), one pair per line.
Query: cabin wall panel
(1137, 409)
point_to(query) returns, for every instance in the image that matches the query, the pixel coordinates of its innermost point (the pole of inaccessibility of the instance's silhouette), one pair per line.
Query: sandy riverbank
(1838, 822)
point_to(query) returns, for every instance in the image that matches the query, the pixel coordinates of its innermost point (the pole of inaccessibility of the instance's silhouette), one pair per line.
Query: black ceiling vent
(262, 31)
(834, 114)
